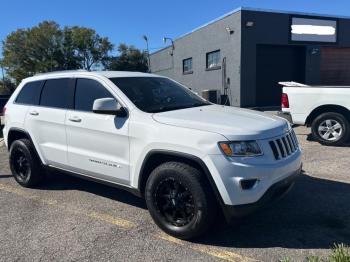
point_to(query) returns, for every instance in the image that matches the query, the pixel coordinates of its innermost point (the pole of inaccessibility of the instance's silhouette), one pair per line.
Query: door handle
(34, 113)
(75, 119)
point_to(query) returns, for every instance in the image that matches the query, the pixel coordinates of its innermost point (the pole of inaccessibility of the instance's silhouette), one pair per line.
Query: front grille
(284, 146)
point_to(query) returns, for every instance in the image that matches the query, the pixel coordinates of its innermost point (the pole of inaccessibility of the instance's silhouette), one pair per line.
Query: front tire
(179, 200)
(331, 129)
(24, 163)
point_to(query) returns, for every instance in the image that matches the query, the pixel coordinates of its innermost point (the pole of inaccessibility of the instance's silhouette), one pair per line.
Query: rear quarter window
(30, 93)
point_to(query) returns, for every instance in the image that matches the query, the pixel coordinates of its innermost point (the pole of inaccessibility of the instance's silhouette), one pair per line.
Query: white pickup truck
(326, 109)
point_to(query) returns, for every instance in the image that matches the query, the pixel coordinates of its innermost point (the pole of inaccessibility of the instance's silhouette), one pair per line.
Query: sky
(127, 21)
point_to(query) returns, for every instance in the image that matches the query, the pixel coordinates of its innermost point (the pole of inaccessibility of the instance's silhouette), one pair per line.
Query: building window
(213, 60)
(187, 66)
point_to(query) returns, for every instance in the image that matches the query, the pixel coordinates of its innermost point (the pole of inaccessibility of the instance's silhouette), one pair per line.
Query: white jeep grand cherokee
(154, 137)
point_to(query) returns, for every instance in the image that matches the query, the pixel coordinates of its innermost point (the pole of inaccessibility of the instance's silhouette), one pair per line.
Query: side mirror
(108, 106)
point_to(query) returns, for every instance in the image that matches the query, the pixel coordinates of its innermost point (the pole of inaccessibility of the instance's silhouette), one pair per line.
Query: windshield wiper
(200, 104)
(170, 108)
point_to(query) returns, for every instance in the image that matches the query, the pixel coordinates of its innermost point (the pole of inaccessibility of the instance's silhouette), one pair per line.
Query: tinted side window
(30, 93)
(87, 90)
(57, 93)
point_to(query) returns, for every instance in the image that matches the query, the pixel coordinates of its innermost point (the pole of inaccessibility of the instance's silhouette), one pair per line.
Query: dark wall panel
(275, 64)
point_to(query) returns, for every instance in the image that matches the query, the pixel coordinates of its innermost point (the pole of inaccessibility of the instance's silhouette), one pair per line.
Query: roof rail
(62, 71)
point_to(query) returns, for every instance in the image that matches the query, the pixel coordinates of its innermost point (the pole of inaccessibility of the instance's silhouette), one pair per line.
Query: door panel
(98, 145)
(46, 121)
(47, 129)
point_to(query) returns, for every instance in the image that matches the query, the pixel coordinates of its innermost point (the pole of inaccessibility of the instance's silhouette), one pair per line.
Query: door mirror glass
(108, 106)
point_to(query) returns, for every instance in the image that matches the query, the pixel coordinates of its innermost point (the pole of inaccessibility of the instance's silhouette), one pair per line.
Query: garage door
(335, 66)
(275, 64)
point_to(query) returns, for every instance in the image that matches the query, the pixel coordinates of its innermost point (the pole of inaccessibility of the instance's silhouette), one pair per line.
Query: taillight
(285, 101)
(3, 111)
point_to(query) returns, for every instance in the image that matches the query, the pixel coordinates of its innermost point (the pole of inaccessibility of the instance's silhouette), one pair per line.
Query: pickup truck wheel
(331, 129)
(179, 200)
(24, 163)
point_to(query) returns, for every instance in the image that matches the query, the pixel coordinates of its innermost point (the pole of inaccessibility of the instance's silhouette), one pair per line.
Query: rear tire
(180, 200)
(331, 129)
(25, 164)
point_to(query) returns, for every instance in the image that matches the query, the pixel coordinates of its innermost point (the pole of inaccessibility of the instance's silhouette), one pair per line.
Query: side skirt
(132, 190)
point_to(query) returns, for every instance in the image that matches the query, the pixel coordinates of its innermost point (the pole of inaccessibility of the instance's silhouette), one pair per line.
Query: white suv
(188, 158)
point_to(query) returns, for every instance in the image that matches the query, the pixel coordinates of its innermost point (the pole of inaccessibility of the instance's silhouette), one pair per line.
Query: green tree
(70, 60)
(46, 47)
(15, 59)
(33, 50)
(89, 48)
(129, 59)
(6, 86)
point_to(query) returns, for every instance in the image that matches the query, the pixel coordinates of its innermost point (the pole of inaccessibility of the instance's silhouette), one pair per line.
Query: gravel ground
(71, 219)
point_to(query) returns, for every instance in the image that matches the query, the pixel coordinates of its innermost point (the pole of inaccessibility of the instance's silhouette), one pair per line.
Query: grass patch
(340, 253)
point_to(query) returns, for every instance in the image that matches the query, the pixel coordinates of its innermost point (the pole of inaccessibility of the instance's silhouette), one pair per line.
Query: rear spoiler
(292, 84)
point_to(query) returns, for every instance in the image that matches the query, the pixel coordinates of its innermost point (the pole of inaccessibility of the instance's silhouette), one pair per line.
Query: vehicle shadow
(5, 176)
(314, 215)
(60, 181)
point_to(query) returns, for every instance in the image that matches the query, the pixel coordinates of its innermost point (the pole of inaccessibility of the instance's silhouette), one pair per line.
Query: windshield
(157, 94)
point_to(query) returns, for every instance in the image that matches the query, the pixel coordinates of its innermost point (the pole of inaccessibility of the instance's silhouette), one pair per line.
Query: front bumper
(228, 175)
(275, 192)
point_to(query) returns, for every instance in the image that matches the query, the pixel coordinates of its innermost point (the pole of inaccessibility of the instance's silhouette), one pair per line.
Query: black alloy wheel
(180, 200)
(21, 165)
(25, 164)
(175, 202)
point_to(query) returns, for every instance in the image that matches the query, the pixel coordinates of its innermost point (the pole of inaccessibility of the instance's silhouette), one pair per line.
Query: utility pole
(148, 58)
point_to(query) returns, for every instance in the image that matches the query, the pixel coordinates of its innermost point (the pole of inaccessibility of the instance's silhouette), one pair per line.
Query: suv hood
(233, 123)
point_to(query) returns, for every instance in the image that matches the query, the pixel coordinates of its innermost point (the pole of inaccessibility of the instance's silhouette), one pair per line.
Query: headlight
(240, 148)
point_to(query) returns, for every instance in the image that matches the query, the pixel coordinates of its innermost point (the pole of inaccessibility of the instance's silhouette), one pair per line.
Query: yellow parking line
(112, 220)
(96, 215)
(208, 250)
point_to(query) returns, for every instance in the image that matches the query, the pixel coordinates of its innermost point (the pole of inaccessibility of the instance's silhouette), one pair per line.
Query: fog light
(248, 183)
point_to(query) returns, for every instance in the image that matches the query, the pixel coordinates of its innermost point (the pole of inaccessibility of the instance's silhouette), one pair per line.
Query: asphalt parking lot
(71, 219)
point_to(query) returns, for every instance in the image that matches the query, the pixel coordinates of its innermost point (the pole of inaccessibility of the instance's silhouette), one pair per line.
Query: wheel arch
(155, 158)
(16, 133)
(326, 109)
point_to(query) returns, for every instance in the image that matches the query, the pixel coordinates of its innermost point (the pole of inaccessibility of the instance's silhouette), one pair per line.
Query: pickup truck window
(157, 94)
